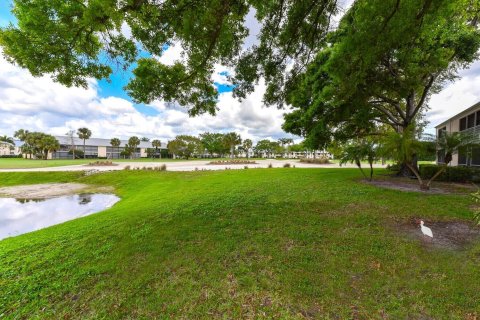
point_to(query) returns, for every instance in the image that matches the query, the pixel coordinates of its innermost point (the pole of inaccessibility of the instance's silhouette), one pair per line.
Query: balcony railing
(473, 134)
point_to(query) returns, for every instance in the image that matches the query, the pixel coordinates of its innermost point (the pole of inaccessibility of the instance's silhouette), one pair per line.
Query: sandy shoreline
(49, 190)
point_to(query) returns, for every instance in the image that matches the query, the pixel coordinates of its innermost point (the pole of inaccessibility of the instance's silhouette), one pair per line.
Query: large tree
(37, 144)
(382, 70)
(214, 143)
(77, 40)
(247, 146)
(185, 146)
(84, 134)
(267, 147)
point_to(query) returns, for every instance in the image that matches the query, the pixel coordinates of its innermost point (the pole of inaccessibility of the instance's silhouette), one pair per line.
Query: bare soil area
(452, 235)
(49, 190)
(411, 185)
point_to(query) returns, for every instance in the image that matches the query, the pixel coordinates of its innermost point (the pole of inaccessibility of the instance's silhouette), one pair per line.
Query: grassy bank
(274, 243)
(19, 163)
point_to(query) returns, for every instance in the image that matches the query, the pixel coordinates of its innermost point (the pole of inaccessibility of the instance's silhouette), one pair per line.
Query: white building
(98, 148)
(468, 122)
(7, 149)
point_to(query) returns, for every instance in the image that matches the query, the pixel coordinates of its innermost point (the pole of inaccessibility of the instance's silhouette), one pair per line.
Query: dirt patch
(49, 190)
(452, 235)
(409, 185)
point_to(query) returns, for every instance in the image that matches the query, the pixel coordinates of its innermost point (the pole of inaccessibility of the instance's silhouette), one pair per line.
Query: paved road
(186, 166)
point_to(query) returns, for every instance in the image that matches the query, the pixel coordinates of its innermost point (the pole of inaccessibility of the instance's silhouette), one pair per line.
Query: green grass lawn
(18, 163)
(257, 243)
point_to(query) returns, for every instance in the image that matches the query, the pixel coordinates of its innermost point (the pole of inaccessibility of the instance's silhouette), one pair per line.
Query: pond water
(18, 216)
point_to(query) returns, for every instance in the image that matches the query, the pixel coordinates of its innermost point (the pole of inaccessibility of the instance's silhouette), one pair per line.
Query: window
(471, 120)
(462, 156)
(475, 156)
(441, 131)
(478, 119)
(463, 124)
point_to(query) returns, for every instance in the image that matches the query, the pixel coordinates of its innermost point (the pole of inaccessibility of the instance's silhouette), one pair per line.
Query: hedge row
(10, 156)
(451, 174)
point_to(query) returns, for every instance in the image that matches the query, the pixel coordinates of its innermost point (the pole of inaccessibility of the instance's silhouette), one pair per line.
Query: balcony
(473, 133)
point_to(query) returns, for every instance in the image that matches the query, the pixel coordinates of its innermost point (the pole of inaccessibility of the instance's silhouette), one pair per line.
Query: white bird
(426, 230)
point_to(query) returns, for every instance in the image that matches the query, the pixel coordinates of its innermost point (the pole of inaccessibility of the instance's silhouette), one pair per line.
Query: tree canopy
(37, 144)
(185, 146)
(77, 40)
(380, 67)
(214, 143)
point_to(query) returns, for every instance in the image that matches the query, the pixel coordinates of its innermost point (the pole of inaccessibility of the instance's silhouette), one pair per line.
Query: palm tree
(357, 151)
(247, 146)
(403, 147)
(133, 143)
(231, 140)
(285, 141)
(7, 140)
(157, 144)
(449, 143)
(21, 134)
(26, 148)
(85, 134)
(115, 143)
(48, 144)
(144, 139)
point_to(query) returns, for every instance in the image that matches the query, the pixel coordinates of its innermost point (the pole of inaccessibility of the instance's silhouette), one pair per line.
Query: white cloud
(41, 104)
(455, 97)
(173, 54)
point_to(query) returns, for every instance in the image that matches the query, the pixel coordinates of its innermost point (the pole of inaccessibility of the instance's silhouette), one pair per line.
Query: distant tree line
(208, 144)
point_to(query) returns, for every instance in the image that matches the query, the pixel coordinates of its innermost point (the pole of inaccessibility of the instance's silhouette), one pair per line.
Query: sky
(39, 104)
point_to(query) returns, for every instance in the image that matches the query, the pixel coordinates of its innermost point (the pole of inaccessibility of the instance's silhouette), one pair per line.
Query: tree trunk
(423, 186)
(436, 175)
(361, 170)
(84, 155)
(371, 170)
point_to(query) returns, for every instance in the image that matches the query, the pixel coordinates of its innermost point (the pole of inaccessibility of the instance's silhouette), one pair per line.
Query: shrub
(127, 168)
(270, 165)
(102, 163)
(393, 167)
(11, 156)
(245, 167)
(451, 174)
(232, 162)
(321, 160)
(163, 167)
(286, 165)
(78, 153)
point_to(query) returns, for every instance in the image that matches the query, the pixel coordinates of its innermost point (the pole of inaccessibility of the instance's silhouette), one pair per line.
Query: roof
(99, 142)
(461, 114)
(7, 143)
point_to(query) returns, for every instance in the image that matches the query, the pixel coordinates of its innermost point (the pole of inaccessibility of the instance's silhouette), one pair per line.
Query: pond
(18, 216)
